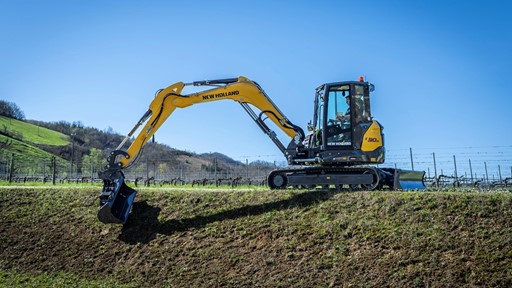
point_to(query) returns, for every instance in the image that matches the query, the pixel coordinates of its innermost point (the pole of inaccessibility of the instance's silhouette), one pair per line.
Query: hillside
(34, 143)
(31, 133)
(257, 238)
(27, 141)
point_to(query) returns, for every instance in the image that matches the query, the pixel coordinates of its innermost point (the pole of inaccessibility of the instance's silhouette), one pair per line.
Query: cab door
(338, 117)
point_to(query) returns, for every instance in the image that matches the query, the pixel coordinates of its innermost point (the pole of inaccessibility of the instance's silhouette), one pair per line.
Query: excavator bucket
(409, 180)
(116, 200)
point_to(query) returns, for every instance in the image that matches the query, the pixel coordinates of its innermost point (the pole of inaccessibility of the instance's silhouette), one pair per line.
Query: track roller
(277, 180)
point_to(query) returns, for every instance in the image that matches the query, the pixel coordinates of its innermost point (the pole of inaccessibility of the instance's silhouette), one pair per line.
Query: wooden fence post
(54, 170)
(412, 162)
(11, 168)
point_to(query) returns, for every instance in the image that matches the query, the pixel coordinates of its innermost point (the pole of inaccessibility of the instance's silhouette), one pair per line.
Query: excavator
(342, 150)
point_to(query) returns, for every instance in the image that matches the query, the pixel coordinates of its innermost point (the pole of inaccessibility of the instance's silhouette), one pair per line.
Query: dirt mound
(209, 238)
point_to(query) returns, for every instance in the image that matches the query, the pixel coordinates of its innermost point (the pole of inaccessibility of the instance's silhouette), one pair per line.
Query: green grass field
(257, 237)
(33, 133)
(25, 150)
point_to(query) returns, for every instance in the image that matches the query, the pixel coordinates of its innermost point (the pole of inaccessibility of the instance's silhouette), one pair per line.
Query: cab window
(361, 105)
(339, 116)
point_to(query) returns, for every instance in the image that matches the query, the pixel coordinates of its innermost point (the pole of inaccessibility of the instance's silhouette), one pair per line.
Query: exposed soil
(263, 238)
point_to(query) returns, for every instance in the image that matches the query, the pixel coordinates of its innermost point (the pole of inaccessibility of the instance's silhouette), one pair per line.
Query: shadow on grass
(143, 225)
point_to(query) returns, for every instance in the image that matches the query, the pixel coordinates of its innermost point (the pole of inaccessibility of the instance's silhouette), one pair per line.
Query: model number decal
(220, 95)
(372, 139)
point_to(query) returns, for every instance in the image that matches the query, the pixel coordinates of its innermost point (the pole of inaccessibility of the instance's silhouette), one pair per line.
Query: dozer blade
(409, 180)
(116, 201)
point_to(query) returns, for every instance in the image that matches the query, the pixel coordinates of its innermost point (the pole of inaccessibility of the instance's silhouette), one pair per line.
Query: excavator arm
(241, 90)
(117, 198)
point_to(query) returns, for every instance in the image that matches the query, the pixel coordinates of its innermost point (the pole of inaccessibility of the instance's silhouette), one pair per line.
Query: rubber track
(327, 170)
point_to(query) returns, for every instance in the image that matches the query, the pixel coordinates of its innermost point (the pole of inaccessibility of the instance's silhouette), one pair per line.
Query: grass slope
(247, 238)
(24, 151)
(33, 133)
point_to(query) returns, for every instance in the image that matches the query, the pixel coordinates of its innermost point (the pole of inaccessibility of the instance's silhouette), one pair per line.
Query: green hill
(257, 238)
(23, 151)
(33, 143)
(32, 133)
(25, 140)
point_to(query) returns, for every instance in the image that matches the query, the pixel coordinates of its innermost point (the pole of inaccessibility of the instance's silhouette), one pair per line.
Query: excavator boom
(240, 89)
(116, 198)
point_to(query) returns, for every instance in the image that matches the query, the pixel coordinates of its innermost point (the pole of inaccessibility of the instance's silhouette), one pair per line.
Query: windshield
(338, 116)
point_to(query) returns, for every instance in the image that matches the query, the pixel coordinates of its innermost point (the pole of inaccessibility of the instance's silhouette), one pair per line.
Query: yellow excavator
(341, 151)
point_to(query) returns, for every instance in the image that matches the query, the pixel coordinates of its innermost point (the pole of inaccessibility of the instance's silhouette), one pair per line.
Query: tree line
(11, 110)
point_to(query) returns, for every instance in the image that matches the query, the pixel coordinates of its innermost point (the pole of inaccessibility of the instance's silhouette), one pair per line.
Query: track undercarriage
(346, 178)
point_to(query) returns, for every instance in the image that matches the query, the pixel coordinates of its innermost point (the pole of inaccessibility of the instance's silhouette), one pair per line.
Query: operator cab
(340, 124)
(340, 108)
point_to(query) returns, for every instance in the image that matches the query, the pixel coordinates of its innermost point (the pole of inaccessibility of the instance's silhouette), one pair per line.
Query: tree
(11, 110)
(93, 162)
(163, 169)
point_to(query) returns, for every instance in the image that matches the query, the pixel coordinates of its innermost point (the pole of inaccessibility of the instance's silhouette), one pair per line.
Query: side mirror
(310, 126)
(371, 87)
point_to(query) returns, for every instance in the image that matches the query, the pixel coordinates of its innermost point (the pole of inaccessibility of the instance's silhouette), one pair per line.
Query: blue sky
(441, 68)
